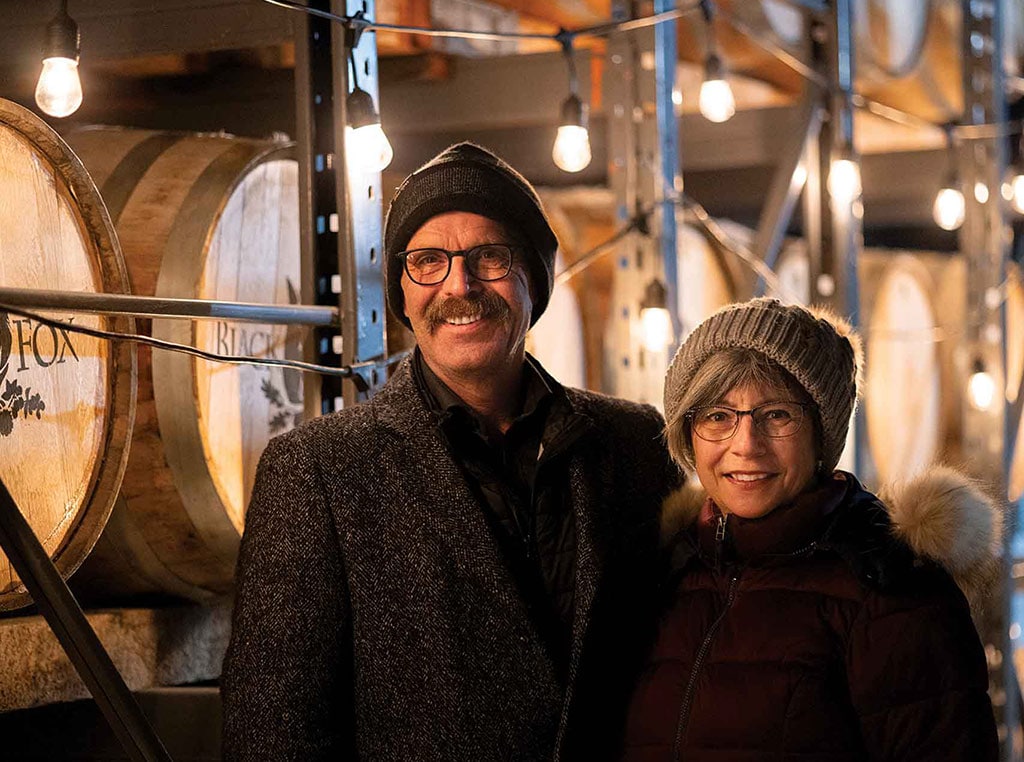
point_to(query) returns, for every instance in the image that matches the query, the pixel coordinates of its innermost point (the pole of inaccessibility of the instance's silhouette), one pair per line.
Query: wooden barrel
(900, 322)
(903, 397)
(66, 400)
(703, 281)
(203, 217)
(890, 37)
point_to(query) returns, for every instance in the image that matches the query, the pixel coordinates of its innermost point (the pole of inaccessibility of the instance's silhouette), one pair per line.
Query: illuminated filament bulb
(981, 388)
(367, 148)
(844, 180)
(949, 208)
(59, 90)
(655, 320)
(716, 100)
(571, 151)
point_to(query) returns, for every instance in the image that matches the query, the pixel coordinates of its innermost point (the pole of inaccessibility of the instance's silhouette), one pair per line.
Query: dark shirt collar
(535, 390)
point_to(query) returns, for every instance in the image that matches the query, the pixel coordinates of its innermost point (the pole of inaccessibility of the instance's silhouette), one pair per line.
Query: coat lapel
(443, 503)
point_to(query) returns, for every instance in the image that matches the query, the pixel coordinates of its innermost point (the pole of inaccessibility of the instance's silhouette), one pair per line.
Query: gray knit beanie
(820, 350)
(468, 178)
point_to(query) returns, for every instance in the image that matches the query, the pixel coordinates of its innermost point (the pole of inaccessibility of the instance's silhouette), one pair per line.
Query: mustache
(486, 304)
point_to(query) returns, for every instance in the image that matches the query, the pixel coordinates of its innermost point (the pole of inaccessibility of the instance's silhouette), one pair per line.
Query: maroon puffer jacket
(811, 634)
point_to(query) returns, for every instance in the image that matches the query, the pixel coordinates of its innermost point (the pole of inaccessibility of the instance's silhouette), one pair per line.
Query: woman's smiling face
(751, 474)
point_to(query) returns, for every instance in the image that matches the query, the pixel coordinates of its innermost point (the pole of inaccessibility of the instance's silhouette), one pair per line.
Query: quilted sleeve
(917, 675)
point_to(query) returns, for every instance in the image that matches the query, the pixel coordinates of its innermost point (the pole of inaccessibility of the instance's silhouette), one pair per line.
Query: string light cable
(597, 30)
(905, 118)
(734, 247)
(344, 371)
(985, 131)
(639, 223)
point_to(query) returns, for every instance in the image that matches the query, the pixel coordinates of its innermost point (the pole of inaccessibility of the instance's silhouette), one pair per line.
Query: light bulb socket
(977, 366)
(63, 39)
(575, 113)
(951, 182)
(360, 110)
(713, 67)
(655, 296)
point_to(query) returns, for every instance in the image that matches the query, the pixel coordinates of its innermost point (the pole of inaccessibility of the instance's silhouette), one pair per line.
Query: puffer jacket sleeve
(917, 674)
(287, 681)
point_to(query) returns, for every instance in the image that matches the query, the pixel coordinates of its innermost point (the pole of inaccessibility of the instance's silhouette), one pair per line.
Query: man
(427, 576)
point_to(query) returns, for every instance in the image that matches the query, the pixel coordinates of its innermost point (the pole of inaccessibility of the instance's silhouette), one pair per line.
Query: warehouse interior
(920, 99)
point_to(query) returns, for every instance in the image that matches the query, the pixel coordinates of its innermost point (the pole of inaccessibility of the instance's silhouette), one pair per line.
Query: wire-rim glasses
(776, 420)
(485, 262)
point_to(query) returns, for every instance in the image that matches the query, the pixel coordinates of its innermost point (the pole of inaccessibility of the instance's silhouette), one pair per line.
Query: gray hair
(723, 371)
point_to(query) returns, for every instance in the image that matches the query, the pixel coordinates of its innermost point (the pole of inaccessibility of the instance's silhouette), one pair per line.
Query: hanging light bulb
(655, 320)
(59, 90)
(949, 209)
(571, 151)
(1017, 194)
(981, 387)
(367, 148)
(716, 100)
(844, 183)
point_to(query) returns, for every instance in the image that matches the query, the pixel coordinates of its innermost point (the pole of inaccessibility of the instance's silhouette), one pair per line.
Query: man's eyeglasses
(488, 261)
(773, 419)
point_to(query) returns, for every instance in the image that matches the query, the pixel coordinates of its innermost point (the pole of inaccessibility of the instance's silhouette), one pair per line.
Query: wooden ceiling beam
(569, 14)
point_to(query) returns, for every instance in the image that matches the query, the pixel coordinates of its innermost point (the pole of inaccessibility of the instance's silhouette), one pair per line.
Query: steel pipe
(161, 307)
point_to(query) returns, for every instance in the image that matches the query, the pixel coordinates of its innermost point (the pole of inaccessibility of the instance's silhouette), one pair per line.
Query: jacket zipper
(705, 646)
(720, 528)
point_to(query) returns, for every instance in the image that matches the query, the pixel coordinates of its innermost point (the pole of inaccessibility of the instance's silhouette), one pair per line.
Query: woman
(805, 620)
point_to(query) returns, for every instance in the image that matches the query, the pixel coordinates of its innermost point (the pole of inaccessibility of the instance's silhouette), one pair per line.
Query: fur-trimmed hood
(941, 515)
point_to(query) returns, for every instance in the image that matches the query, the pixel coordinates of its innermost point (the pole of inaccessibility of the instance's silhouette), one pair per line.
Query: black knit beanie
(468, 178)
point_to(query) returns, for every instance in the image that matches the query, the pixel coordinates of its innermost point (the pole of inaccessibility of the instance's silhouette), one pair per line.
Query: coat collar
(940, 515)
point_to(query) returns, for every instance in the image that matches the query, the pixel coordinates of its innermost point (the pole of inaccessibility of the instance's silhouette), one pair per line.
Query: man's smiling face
(468, 328)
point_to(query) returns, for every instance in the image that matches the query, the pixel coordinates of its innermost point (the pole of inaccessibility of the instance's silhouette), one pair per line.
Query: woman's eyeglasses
(776, 420)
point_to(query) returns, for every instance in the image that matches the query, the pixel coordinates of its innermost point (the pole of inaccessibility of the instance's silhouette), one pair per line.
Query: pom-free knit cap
(818, 349)
(468, 178)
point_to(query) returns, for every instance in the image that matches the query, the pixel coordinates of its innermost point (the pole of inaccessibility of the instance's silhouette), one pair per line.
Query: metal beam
(788, 182)
(161, 307)
(60, 609)
(985, 241)
(340, 211)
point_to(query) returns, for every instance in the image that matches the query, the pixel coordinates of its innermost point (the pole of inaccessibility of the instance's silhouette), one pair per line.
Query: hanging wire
(783, 55)
(598, 30)
(734, 247)
(345, 371)
(360, 23)
(638, 223)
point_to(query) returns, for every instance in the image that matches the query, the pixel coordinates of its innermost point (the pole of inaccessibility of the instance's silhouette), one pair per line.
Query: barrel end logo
(26, 346)
(15, 400)
(286, 400)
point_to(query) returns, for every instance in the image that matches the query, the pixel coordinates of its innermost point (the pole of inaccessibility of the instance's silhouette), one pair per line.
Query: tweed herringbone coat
(375, 616)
